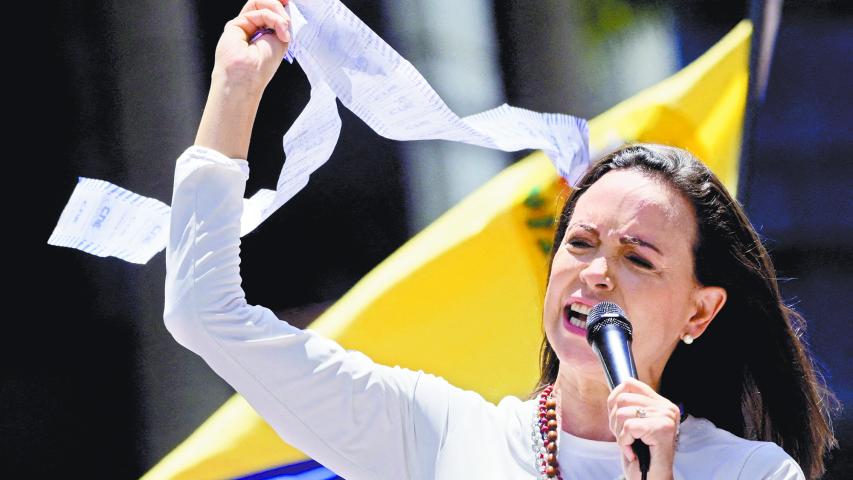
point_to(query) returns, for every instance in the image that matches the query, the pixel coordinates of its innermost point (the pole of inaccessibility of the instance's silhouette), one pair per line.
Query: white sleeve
(771, 462)
(360, 419)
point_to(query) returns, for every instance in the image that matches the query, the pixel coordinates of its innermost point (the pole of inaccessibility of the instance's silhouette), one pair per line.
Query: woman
(652, 229)
(648, 228)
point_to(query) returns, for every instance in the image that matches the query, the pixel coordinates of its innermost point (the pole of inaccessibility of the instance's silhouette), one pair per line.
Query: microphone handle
(616, 356)
(644, 457)
(618, 362)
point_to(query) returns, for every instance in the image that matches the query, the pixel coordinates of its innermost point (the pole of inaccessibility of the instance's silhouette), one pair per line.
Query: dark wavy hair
(750, 373)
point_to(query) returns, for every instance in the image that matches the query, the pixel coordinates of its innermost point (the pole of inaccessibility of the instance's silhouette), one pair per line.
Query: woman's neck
(583, 407)
(583, 404)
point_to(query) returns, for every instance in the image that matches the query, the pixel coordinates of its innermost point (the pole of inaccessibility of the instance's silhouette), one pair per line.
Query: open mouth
(577, 314)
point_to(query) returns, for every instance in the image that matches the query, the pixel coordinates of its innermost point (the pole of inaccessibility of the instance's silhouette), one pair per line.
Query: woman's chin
(573, 351)
(579, 357)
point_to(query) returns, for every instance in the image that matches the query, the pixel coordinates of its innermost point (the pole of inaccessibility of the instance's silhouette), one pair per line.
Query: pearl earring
(687, 338)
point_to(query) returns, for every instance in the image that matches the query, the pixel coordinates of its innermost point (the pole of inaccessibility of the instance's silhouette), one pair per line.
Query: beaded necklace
(546, 423)
(545, 434)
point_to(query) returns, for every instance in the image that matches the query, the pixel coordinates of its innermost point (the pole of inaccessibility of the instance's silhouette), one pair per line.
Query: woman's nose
(597, 275)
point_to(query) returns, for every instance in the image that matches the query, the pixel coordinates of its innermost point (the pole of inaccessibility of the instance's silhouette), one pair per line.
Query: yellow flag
(463, 298)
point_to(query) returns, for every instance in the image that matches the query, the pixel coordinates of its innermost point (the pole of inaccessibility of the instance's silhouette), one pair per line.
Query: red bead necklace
(546, 426)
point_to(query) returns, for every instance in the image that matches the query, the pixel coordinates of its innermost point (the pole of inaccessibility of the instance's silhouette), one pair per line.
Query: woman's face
(629, 241)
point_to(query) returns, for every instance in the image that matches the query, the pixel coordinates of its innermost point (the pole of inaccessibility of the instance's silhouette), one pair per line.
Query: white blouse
(360, 419)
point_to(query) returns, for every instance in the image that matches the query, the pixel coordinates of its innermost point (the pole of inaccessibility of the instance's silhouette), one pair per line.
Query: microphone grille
(603, 314)
(605, 308)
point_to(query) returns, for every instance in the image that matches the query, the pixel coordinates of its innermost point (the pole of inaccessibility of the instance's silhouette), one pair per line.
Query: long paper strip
(344, 59)
(106, 220)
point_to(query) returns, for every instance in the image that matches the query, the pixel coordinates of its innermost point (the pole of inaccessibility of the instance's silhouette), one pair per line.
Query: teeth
(580, 308)
(577, 322)
(577, 313)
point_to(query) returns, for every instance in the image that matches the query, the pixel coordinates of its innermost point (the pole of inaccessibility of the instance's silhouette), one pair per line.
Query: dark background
(91, 381)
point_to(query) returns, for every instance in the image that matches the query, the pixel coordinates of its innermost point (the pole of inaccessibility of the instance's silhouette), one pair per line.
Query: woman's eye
(640, 262)
(577, 243)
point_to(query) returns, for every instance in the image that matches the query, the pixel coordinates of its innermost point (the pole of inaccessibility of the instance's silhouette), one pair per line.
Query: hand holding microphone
(644, 423)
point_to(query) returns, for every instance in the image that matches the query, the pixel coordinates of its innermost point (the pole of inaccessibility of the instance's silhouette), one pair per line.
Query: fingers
(629, 405)
(651, 431)
(628, 453)
(637, 412)
(628, 399)
(631, 386)
(632, 405)
(251, 22)
(260, 14)
(634, 386)
(275, 5)
(621, 416)
(651, 406)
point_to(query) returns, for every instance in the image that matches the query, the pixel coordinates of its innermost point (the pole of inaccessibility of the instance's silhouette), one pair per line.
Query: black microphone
(609, 334)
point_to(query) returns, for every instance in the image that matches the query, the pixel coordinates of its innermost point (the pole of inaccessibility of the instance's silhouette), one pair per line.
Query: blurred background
(92, 383)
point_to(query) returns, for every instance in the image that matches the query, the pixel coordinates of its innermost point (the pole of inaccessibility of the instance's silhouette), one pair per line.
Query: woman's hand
(241, 72)
(252, 65)
(637, 412)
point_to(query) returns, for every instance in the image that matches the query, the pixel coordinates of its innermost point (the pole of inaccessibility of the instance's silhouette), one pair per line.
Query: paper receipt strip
(343, 59)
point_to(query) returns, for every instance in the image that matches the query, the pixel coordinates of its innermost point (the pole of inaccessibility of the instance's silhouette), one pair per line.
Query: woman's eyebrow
(625, 239)
(638, 241)
(589, 228)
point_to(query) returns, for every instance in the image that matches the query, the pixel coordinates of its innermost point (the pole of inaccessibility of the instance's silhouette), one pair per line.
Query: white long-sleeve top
(360, 419)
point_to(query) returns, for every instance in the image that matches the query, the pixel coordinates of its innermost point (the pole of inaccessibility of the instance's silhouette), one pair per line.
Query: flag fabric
(463, 298)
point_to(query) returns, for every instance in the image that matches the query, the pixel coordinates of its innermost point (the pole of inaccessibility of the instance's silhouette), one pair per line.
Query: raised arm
(358, 418)
(241, 72)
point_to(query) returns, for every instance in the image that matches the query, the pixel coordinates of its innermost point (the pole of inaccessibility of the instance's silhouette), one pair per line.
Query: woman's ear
(709, 301)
